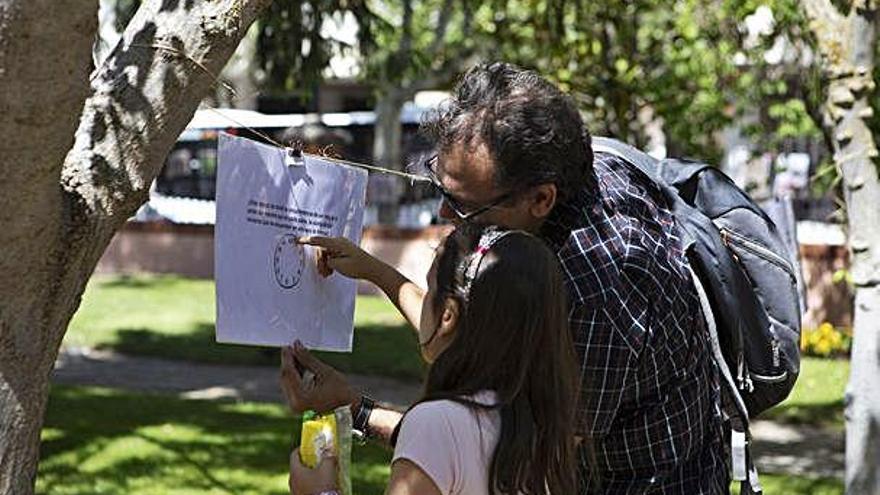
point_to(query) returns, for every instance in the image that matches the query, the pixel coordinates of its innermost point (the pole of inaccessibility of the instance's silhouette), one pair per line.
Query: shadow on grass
(383, 350)
(114, 442)
(197, 345)
(828, 413)
(126, 281)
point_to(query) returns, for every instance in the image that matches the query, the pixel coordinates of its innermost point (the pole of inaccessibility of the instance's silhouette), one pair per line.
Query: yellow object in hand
(318, 438)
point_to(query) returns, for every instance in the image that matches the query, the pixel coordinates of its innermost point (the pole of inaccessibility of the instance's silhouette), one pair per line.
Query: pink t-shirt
(452, 443)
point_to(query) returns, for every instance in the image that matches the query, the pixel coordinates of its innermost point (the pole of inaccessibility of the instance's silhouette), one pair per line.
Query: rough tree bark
(847, 47)
(77, 158)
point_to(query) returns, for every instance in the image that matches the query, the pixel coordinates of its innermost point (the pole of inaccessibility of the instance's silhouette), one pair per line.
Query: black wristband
(361, 419)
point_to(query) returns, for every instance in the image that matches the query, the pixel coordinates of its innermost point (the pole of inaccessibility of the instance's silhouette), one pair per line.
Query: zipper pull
(746, 377)
(725, 238)
(775, 347)
(740, 371)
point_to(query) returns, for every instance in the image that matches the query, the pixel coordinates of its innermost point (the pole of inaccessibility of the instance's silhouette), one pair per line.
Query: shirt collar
(570, 214)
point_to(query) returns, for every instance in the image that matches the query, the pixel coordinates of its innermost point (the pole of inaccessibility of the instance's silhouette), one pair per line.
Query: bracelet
(361, 420)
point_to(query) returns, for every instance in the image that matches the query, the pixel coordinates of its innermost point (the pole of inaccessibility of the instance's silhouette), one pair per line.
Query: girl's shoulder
(459, 412)
(451, 442)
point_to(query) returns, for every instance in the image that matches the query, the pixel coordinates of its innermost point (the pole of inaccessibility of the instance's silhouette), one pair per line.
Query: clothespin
(293, 156)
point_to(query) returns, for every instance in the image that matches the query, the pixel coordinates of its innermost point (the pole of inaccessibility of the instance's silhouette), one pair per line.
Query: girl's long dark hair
(513, 338)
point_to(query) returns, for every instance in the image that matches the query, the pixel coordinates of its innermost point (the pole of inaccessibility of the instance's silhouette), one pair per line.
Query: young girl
(497, 414)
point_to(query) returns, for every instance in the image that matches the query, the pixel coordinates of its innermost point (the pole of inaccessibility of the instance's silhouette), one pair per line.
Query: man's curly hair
(532, 130)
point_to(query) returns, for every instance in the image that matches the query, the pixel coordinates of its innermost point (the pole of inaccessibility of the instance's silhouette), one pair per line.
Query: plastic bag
(328, 435)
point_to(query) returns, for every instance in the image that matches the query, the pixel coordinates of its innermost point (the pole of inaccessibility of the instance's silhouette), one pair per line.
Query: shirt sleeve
(607, 361)
(609, 318)
(427, 439)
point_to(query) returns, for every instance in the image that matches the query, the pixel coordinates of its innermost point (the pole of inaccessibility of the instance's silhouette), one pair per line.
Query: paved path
(199, 380)
(779, 448)
(798, 449)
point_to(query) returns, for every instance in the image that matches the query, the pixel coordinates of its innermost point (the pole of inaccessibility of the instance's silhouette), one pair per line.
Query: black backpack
(746, 278)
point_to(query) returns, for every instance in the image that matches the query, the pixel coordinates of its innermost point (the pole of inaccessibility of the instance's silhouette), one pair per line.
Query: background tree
(293, 48)
(79, 156)
(829, 88)
(635, 68)
(845, 35)
(403, 47)
(419, 45)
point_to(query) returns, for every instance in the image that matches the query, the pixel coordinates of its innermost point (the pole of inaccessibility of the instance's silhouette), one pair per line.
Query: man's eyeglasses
(463, 211)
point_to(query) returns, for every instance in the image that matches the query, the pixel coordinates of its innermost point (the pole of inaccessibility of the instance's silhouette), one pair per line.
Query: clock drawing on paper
(288, 259)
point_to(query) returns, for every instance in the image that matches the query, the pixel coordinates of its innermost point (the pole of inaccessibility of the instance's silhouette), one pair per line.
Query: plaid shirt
(649, 387)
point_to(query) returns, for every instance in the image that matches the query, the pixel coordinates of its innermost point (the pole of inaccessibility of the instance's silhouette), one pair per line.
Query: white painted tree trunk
(388, 150)
(847, 46)
(57, 214)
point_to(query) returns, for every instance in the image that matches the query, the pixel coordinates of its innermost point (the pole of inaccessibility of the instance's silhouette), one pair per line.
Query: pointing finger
(316, 240)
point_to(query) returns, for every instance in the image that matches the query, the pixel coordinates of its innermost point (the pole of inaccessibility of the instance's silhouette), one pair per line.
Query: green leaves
(792, 119)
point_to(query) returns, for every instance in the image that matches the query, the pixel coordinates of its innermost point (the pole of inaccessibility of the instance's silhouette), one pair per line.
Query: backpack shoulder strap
(645, 162)
(709, 318)
(742, 463)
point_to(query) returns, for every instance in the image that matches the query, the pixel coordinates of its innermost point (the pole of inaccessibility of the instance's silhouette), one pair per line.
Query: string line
(228, 87)
(372, 168)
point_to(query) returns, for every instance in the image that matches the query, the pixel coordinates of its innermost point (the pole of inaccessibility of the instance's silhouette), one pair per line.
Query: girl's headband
(471, 266)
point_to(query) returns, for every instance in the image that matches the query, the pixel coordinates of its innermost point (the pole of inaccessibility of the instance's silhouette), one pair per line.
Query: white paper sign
(268, 289)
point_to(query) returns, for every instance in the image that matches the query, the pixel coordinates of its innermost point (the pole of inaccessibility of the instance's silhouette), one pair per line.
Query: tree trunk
(387, 139)
(58, 214)
(387, 151)
(45, 60)
(846, 44)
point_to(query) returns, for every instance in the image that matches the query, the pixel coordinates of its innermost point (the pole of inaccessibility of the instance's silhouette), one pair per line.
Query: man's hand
(339, 254)
(327, 390)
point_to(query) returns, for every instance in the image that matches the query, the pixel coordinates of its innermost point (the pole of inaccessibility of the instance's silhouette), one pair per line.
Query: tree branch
(830, 28)
(144, 95)
(405, 47)
(823, 11)
(467, 23)
(439, 76)
(440, 31)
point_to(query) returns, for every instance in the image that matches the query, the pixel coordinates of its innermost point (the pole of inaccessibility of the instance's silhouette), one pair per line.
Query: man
(513, 150)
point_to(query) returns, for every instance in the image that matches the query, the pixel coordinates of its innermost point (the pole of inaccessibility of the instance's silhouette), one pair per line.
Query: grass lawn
(103, 441)
(173, 317)
(98, 441)
(775, 484)
(817, 398)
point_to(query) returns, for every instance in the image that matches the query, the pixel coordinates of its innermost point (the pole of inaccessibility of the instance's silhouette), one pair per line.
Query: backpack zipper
(728, 235)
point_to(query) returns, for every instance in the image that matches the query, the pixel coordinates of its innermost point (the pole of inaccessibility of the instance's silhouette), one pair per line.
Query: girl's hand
(327, 390)
(305, 481)
(339, 254)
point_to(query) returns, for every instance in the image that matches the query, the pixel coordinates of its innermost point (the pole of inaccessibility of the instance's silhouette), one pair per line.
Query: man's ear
(449, 318)
(543, 200)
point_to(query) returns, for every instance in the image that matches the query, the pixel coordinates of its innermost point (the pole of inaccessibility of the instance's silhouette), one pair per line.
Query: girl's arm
(339, 254)
(408, 479)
